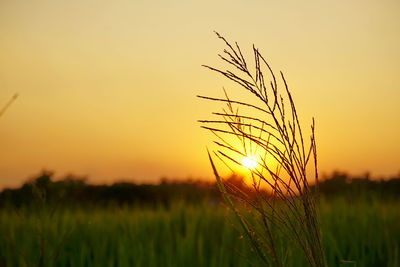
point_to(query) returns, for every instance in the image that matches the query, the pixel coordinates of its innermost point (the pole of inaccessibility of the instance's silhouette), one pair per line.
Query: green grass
(355, 234)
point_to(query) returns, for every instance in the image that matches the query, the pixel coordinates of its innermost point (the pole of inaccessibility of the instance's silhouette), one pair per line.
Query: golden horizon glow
(107, 88)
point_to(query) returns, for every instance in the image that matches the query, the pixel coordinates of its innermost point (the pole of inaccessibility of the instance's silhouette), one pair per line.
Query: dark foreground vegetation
(71, 223)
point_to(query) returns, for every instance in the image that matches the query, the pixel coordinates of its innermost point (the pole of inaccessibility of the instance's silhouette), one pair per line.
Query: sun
(249, 162)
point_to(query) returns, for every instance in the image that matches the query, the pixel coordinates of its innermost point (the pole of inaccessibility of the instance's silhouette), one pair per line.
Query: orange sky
(107, 88)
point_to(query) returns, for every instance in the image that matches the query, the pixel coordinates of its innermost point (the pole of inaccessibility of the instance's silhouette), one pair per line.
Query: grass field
(358, 233)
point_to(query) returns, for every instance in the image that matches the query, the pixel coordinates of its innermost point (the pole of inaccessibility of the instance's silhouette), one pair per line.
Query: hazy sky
(107, 88)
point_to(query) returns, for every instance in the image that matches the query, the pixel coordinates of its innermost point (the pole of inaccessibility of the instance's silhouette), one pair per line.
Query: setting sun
(249, 162)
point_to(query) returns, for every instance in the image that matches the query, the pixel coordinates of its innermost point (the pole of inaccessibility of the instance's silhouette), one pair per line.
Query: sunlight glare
(249, 162)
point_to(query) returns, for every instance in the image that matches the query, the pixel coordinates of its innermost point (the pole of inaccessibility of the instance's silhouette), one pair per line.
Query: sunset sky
(107, 89)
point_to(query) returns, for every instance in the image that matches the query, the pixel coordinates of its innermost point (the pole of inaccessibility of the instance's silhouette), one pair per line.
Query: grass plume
(281, 201)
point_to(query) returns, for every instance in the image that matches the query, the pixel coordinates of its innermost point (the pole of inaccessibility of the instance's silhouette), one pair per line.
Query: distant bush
(340, 183)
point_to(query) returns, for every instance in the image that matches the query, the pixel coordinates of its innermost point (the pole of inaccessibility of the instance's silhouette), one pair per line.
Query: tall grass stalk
(8, 104)
(267, 128)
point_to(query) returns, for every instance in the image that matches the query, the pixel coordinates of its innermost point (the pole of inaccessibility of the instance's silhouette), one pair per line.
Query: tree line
(75, 191)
